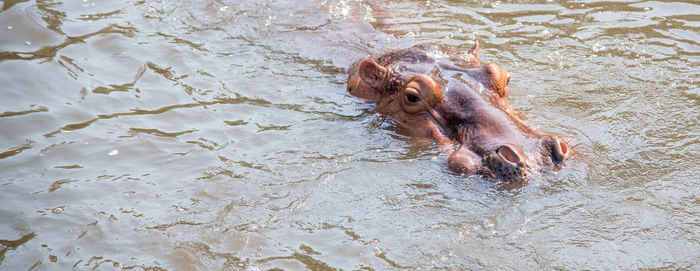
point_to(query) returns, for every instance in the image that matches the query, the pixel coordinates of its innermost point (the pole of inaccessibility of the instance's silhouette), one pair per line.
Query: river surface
(218, 135)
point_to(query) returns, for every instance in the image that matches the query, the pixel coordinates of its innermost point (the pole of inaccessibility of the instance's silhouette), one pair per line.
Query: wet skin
(449, 96)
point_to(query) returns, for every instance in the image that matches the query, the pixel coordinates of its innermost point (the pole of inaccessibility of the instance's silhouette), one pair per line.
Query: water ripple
(219, 135)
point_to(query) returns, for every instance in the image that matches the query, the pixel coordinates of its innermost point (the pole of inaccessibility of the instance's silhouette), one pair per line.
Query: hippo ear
(373, 74)
(474, 52)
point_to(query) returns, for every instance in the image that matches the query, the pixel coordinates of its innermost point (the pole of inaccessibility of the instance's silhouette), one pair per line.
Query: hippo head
(447, 95)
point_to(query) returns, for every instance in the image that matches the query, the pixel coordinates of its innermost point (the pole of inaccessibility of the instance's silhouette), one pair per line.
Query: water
(217, 135)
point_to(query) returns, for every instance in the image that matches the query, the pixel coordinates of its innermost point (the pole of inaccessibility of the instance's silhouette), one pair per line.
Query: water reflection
(218, 135)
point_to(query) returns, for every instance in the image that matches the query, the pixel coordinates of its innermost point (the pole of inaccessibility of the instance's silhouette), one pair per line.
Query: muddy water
(217, 135)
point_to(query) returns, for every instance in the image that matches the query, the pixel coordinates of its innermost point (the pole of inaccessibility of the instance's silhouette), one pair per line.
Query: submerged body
(449, 96)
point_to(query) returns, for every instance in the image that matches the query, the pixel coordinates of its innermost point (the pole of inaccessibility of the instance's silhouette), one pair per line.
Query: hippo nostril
(560, 151)
(564, 149)
(508, 154)
(509, 163)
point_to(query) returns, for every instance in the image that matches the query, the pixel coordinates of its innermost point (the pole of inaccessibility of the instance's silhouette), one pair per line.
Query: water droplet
(57, 210)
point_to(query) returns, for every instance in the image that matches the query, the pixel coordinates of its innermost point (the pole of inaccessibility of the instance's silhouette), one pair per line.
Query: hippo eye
(411, 101)
(412, 98)
(411, 95)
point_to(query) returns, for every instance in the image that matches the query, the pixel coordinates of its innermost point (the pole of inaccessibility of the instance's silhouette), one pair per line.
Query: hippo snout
(509, 162)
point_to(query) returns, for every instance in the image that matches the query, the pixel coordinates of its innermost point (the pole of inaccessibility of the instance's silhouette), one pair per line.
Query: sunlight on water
(343, 9)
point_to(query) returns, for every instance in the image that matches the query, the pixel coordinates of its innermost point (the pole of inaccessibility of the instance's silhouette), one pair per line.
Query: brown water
(217, 135)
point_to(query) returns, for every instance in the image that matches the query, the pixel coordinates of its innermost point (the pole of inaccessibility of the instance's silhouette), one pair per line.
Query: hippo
(449, 96)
